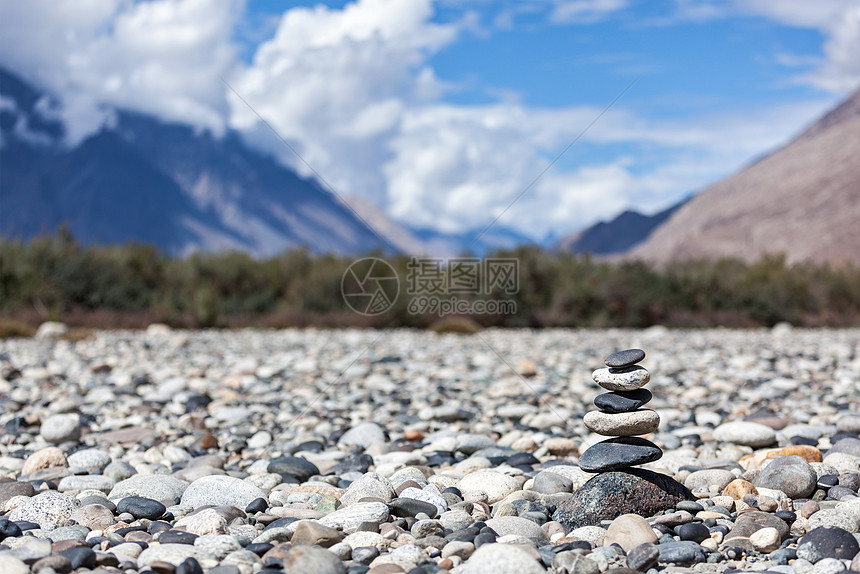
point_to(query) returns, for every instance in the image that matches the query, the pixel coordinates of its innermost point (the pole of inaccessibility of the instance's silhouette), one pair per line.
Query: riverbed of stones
(331, 451)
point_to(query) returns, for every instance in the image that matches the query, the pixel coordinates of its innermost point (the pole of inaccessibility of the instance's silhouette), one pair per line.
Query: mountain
(616, 236)
(802, 200)
(398, 236)
(164, 184)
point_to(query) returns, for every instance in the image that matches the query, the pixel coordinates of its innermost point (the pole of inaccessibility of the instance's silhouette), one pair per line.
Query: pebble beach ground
(234, 452)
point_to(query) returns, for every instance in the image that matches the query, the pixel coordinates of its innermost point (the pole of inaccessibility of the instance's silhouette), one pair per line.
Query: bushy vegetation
(133, 285)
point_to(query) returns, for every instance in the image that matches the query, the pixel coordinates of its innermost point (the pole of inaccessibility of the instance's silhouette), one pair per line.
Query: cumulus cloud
(335, 83)
(162, 57)
(838, 71)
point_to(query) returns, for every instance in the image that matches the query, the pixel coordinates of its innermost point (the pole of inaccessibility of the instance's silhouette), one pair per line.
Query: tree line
(132, 285)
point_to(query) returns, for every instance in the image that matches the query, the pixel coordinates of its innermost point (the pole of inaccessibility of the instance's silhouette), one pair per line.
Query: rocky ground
(407, 451)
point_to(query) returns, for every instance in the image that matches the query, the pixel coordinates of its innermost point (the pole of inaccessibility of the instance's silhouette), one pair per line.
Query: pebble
(496, 558)
(643, 557)
(58, 429)
(638, 422)
(156, 487)
(611, 494)
(48, 509)
(619, 453)
(827, 542)
(495, 484)
(47, 457)
(625, 358)
(89, 459)
(745, 433)
(140, 507)
(622, 402)
(629, 531)
(790, 474)
(622, 379)
(219, 490)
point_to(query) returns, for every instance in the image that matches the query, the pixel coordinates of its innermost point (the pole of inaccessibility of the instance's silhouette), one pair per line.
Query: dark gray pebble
(643, 557)
(403, 507)
(257, 505)
(141, 507)
(176, 537)
(189, 566)
(364, 554)
(684, 553)
(80, 557)
(690, 506)
(624, 358)
(300, 468)
(786, 515)
(827, 542)
(259, 548)
(782, 556)
(619, 453)
(9, 529)
(358, 463)
(484, 538)
(695, 531)
(522, 458)
(622, 401)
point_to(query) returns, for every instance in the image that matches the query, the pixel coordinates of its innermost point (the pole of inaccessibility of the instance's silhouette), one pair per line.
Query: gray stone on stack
(621, 416)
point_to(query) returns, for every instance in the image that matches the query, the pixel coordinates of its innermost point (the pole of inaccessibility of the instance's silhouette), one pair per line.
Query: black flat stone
(623, 401)
(141, 507)
(176, 537)
(80, 557)
(403, 507)
(295, 466)
(624, 358)
(619, 453)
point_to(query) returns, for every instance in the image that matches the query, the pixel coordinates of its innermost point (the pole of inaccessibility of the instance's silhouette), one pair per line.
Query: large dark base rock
(611, 494)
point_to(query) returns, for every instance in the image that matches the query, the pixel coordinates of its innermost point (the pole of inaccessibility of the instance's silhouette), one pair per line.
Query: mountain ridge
(802, 200)
(161, 183)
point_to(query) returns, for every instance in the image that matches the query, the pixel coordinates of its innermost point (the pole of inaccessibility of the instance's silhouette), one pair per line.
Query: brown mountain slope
(802, 200)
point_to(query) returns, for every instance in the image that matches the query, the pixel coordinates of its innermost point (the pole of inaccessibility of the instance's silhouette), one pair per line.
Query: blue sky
(443, 112)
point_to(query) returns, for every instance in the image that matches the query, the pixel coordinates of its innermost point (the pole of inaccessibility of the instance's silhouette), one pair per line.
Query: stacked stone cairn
(621, 416)
(618, 486)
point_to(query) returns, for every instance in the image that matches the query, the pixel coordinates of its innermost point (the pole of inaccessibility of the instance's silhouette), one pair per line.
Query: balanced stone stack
(621, 416)
(618, 487)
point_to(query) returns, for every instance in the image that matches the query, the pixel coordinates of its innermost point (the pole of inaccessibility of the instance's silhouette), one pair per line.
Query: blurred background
(213, 163)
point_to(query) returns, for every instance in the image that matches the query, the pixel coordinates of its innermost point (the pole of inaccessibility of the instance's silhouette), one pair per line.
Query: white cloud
(456, 167)
(838, 71)
(584, 11)
(336, 83)
(162, 57)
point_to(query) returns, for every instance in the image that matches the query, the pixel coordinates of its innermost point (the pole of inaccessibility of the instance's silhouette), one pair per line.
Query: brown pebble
(161, 567)
(809, 508)
(138, 536)
(446, 564)
(806, 452)
(413, 435)
(61, 545)
(738, 488)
